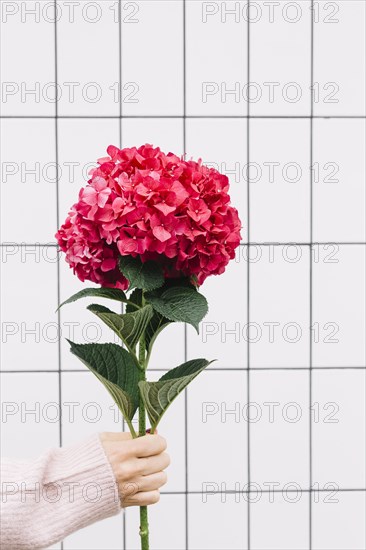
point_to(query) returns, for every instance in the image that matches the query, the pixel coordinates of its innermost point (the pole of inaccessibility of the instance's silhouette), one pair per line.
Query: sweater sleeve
(63, 490)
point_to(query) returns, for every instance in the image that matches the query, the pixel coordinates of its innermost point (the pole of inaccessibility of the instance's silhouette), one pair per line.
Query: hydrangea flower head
(143, 202)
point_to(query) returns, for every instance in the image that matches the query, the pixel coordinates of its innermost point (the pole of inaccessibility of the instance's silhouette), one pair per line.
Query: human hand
(138, 465)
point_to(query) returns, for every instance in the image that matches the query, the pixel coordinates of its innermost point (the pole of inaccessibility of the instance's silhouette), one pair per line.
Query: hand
(138, 466)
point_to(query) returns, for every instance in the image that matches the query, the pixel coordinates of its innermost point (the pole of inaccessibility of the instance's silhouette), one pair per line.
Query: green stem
(144, 525)
(132, 429)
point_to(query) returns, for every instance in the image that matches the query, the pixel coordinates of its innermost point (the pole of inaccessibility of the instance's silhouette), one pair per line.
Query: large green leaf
(135, 301)
(156, 325)
(179, 303)
(129, 326)
(147, 275)
(102, 292)
(157, 396)
(116, 369)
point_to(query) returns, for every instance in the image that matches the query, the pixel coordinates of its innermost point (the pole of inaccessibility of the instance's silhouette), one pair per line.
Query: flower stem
(144, 525)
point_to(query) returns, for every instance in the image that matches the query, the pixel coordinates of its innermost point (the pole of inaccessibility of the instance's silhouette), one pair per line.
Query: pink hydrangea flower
(143, 202)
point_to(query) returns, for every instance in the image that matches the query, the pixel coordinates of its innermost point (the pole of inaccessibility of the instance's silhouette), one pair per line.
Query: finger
(150, 482)
(144, 498)
(153, 464)
(147, 445)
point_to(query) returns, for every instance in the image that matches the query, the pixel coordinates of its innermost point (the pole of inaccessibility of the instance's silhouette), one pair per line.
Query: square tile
(338, 174)
(216, 407)
(338, 326)
(279, 306)
(222, 144)
(28, 71)
(30, 414)
(87, 407)
(30, 330)
(339, 427)
(280, 43)
(88, 58)
(76, 322)
(149, 45)
(279, 429)
(280, 521)
(169, 348)
(28, 180)
(166, 523)
(216, 58)
(217, 521)
(339, 85)
(166, 133)
(279, 175)
(339, 521)
(223, 332)
(81, 143)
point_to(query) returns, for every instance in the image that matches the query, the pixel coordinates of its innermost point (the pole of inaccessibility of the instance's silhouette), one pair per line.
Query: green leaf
(153, 329)
(179, 303)
(129, 326)
(156, 324)
(147, 276)
(157, 396)
(102, 292)
(116, 369)
(135, 301)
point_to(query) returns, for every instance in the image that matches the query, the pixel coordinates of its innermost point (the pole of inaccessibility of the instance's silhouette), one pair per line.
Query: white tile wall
(338, 419)
(93, 137)
(279, 428)
(339, 89)
(279, 306)
(167, 524)
(280, 58)
(338, 521)
(30, 414)
(88, 58)
(30, 332)
(222, 333)
(222, 143)
(339, 180)
(216, 59)
(27, 73)
(280, 520)
(339, 305)
(214, 509)
(28, 181)
(217, 430)
(151, 47)
(176, 74)
(279, 180)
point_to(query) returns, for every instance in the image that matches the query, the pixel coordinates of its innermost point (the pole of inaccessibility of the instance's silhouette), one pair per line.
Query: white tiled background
(268, 446)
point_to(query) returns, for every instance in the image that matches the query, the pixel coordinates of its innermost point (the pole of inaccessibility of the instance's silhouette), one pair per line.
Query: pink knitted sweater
(63, 490)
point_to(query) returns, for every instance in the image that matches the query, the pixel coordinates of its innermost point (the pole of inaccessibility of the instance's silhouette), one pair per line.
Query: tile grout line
(248, 280)
(311, 276)
(318, 117)
(214, 369)
(57, 224)
(184, 68)
(270, 491)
